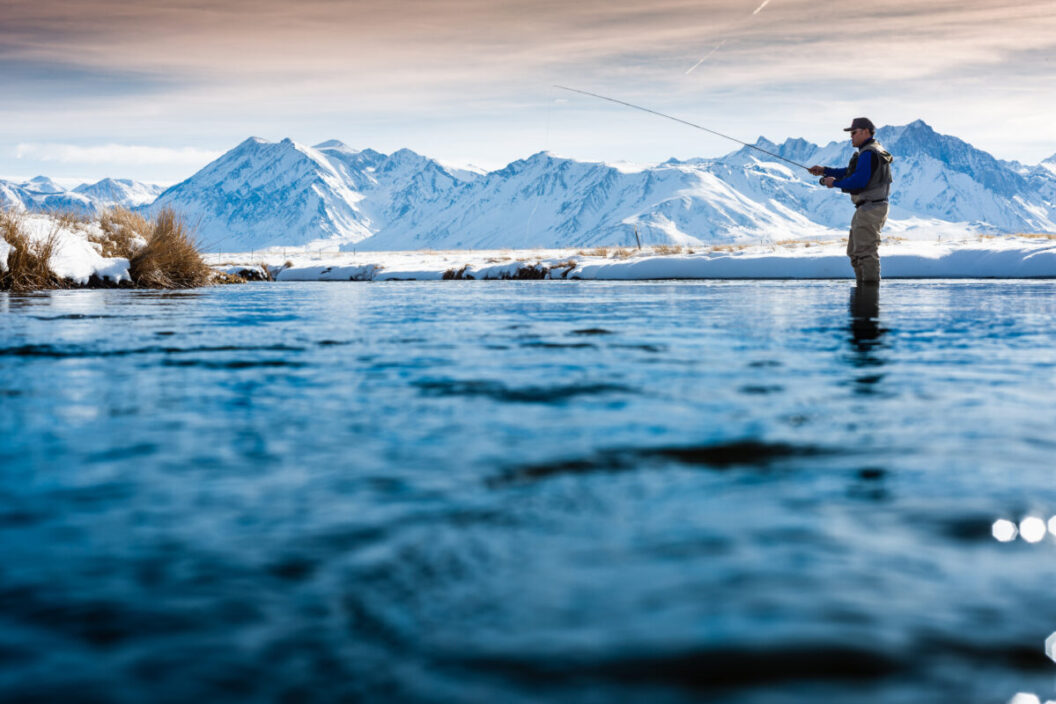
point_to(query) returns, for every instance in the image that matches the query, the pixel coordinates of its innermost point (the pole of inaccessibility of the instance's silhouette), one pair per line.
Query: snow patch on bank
(74, 257)
(967, 257)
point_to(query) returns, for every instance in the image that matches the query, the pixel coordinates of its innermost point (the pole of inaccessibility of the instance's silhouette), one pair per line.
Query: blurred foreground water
(523, 491)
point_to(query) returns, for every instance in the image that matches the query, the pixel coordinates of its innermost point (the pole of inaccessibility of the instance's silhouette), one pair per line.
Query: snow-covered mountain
(42, 193)
(267, 194)
(120, 191)
(263, 194)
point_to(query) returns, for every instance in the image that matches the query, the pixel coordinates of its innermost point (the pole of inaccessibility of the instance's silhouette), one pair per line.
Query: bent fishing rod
(684, 122)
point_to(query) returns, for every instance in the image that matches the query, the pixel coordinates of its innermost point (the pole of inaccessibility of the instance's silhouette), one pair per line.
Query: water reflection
(354, 481)
(866, 335)
(865, 313)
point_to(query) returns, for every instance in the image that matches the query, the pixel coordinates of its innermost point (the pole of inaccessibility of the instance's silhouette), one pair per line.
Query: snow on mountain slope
(547, 201)
(122, 191)
(265, 193)
(937, 177)
(407, 201)
(42, 185)
(42, 193)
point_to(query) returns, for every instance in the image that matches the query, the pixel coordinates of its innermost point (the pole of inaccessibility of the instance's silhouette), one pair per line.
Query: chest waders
(870, 214)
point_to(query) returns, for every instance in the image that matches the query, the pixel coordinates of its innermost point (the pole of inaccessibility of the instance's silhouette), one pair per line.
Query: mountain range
(41, 193)
(265, 194)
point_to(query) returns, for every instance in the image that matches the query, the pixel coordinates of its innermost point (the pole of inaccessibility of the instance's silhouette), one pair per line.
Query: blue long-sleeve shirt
(857, 180)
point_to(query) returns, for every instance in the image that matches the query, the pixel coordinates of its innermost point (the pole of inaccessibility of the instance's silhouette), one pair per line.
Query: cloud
(394, 73)
(114, 154)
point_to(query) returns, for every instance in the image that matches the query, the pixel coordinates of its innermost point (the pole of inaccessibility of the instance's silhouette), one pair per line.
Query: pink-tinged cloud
(472, 76)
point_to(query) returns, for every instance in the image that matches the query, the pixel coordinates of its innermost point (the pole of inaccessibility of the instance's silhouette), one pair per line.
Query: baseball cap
(860, 123)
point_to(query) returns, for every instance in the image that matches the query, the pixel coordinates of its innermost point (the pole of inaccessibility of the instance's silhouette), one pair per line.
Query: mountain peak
(919, 125)
(43, 184)
(336, 145)
(255, 140)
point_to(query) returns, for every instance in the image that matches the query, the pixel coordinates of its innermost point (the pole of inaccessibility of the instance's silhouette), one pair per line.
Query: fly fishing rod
(684, 122)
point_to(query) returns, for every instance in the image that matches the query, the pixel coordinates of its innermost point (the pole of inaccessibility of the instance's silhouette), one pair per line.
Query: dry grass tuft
(457, 274)
(170, 258)
(728, 247)
(222, 277)
(664, 249)
(564, 267)
(622, 253)
(71, 220)
(124, 233)
(27, 266)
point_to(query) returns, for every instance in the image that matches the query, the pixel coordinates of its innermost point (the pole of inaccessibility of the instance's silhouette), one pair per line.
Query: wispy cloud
(132, 154)
(370, 71)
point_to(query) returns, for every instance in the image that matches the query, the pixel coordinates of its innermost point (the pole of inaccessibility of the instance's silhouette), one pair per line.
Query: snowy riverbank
(116, 248)
(78, 255)
(1023, 256)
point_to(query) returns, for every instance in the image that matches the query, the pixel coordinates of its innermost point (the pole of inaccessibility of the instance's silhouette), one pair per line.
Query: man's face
(859, 137)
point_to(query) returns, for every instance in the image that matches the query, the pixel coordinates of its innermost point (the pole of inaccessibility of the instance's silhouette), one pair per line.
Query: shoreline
(55, 252)
(1011, 257)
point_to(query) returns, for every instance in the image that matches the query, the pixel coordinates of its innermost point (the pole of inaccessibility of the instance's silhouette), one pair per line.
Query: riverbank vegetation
(119, 248)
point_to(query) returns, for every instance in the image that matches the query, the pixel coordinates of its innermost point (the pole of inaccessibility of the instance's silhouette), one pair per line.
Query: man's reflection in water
(866, 335)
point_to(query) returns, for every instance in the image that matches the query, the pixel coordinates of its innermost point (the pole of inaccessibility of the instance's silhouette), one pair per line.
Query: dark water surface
(526, 491)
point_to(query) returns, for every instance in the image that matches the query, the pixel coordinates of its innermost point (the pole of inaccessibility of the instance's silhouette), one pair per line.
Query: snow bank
(998, 257)
(74, 257)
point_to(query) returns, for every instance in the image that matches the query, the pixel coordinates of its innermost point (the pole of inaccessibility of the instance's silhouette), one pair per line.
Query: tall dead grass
(124, 233)
(27, 267)
(170, 258)
(161, 253)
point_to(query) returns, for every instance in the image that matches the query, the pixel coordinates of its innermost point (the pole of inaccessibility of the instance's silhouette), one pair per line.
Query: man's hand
(827, 182)
(816, 170)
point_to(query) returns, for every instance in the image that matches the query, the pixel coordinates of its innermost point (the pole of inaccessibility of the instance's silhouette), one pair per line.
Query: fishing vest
(879, 185)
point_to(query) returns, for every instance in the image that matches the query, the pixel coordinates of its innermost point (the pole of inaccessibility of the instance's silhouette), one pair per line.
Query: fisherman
(868, 180)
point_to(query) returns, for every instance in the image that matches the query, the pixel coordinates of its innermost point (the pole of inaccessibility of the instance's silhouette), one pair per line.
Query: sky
(155, 90)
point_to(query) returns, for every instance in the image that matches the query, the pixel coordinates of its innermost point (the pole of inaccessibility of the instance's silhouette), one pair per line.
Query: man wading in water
(868, 179)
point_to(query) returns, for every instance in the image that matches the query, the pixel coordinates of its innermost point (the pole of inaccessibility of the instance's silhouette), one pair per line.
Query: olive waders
(870, 214)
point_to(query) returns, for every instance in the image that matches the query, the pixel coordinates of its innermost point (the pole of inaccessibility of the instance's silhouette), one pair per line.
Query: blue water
(527, 491)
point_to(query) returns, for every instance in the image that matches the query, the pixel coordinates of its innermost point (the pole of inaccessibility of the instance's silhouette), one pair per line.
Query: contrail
(719, 46)
(708, 55)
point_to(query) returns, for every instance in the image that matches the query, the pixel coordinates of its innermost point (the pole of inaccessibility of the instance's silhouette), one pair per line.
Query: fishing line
(546, 148)
(684, 122)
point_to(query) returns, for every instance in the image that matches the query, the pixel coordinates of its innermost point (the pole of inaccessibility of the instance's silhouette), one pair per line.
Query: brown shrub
(170, 259)
(566, 266)
(222, 277)
(70, 219)
(27, 266)
(123, 231)
(456, 274)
